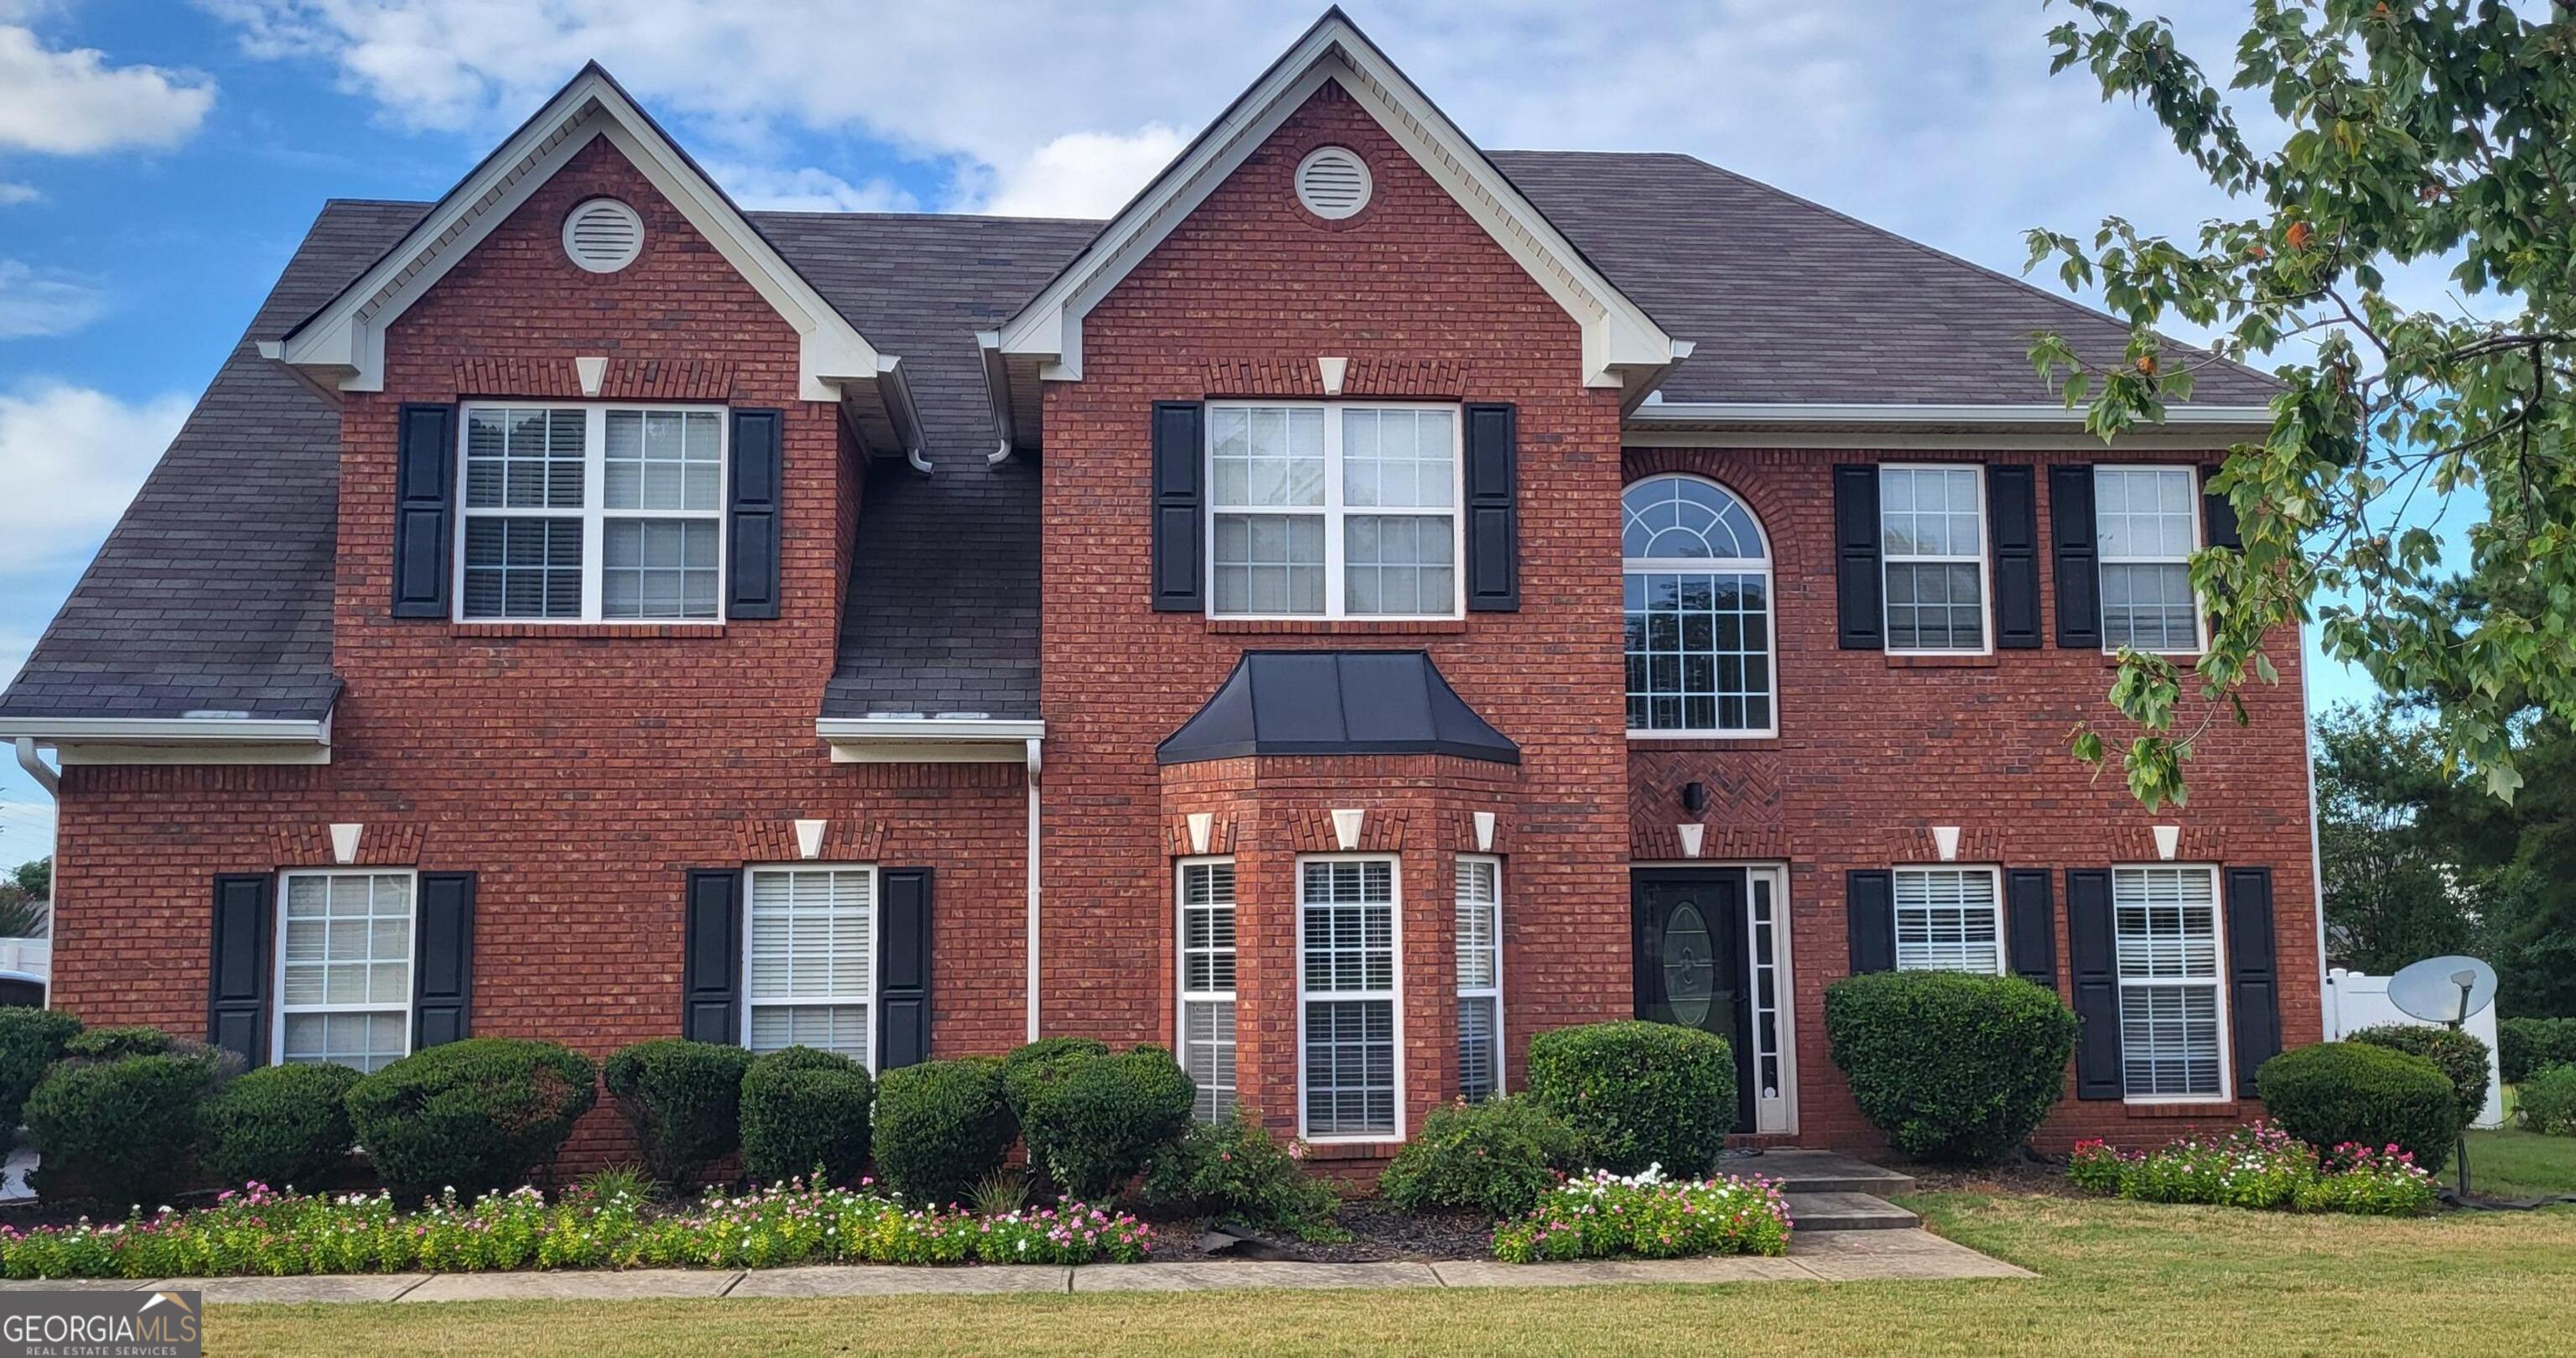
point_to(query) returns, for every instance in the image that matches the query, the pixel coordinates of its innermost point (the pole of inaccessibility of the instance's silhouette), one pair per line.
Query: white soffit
(1621, 344)
(342, 346)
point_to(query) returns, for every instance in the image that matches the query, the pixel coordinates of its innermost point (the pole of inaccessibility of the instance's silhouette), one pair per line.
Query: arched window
(1699, 611)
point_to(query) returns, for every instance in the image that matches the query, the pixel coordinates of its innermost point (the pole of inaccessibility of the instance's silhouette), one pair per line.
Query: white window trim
(1659, 565)
(1494, 992)
(594, 514)
(1995, 879)
(1393, 997)
(277, 973)
(1183, 996)
(876, 952)
(1984, 558)
(1334, 512)
(2101, 558)
(2217, 986)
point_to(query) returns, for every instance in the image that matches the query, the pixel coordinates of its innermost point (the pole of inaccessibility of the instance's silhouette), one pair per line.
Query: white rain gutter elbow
(46, 775)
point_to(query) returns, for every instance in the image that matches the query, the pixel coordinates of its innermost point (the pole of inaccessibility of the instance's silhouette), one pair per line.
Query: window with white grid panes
(809, 960)
(1207, 983)
(344, 967)
(1347, 992)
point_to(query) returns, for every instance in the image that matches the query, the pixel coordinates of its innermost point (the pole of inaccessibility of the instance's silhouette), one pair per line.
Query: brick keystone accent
(384, 844)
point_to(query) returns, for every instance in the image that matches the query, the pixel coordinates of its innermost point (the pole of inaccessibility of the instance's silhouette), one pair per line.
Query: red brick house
(1374, 600)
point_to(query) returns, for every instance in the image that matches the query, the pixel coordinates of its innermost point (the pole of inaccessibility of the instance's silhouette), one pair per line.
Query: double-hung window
(809, 960)
(1480, 978)
(344, 961)
(2172, 1011)
(1948, 919)
(591, 513)
(1334, 511)
(2147, 522)
(1932, 539)
(1346, 983)
(1207, 983)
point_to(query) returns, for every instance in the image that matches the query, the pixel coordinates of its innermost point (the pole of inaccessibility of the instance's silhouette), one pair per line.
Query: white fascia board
(928, 728)
(1738, 414)
(169, 730)
(1618, 337)
(346, 339)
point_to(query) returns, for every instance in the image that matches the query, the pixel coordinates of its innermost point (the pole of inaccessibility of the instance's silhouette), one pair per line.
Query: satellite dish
(2443, 989)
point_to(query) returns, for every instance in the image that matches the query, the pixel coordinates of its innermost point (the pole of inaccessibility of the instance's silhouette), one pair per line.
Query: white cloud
(12, 195)
(73, 103)
(1080, 174)
(809, 190)
(70, 459)
(42, 302)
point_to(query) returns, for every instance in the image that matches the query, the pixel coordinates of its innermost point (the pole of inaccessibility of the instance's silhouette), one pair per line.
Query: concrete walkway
(1834, 1256)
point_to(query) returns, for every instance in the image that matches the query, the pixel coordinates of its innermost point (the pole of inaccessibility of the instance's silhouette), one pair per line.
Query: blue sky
(159, 161)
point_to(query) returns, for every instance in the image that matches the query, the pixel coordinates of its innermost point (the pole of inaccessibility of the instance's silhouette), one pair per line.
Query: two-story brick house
(1372, 601)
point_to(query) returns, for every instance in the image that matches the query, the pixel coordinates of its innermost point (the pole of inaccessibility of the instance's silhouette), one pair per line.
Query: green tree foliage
(2417, 135)
(25, 900)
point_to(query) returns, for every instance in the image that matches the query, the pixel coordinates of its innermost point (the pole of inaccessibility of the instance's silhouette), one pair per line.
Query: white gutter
(46, 776)
(172, 730)
(1032, 907)
(1878, 415)
(942, 730)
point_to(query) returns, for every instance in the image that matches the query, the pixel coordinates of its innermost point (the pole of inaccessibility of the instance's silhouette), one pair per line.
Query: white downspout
(46, 776)
(1033, 763)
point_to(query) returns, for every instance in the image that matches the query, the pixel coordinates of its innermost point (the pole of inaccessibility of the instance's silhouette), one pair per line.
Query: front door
(1690, 930)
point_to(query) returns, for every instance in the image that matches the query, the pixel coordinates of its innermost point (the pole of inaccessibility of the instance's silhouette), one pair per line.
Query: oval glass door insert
(1690, 969)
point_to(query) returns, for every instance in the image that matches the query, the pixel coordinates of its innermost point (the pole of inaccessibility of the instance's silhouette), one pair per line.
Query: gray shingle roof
(214, 591)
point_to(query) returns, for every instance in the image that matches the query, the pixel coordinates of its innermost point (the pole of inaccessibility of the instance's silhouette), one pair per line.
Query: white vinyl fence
(2357, 1001)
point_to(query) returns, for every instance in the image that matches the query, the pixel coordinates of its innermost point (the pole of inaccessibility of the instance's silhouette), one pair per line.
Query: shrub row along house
(1374, 600)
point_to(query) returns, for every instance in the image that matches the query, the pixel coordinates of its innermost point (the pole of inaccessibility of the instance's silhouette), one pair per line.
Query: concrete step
(1847, 1212)
(1806, 1171)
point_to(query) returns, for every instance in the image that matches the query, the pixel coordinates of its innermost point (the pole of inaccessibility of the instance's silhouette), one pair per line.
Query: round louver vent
(1333, 182)
(603, 235)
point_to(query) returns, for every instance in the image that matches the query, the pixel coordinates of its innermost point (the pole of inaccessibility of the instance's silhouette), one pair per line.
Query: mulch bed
(1379, 1234)
(2021, 1175)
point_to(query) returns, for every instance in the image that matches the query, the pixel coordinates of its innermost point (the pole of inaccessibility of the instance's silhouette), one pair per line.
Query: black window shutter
(424, 509)
(1870, 897)
(2030, 926)
(2254, 988)
(1180, 505)
(903, 973)
(442, 984)
(237, 981)
(751, 573)
(711, 957)
(2012, 515)
(2090, 957)
(1858, 587)
(2079, 582)
(1493, 509)
(2218, 516)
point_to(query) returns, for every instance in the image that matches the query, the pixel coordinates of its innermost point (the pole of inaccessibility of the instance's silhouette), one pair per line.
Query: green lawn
(2513, 1163)
(2117, 1278)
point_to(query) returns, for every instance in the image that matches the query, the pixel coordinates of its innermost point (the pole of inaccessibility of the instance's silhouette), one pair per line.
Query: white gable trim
(1621, 344)
(342, 346)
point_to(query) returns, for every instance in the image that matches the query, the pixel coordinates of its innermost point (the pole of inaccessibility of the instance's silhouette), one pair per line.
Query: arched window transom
(1698, 584)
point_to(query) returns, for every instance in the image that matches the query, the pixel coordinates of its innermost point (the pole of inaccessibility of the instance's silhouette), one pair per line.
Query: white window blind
(809, 960)
(1948, 919)
(1346, 940)
(344, 968)
(1207, 984)
(2172, 1015)
(1480, 978)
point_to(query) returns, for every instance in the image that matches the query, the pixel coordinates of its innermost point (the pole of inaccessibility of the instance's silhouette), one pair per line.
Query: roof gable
(1622, 345)
(341, 346)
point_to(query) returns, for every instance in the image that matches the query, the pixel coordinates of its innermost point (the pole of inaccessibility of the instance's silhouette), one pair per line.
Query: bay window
(1207, 984)
(1346, 997)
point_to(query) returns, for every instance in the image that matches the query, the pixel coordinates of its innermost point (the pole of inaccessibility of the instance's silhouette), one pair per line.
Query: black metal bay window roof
(1336, 702)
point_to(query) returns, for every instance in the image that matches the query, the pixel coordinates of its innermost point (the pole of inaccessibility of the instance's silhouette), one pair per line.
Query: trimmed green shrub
(2527, 1046)
(683, 1098)
(1023, 1062)
(1639, 1093)
(472, 1115)
(1950, 1065)
(119, 1131)
(282, 1126)
(115, 1044)
(1234, 1168)
(2546, 1102)
(1498, 1157)
(30, 1040)
(2351, 1093)
(940, 1127)
(805, 1112)
(1092, 1120)
(2461, 1057)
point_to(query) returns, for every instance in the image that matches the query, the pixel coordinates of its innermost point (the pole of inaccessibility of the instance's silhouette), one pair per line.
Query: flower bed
(2261, 1167)
(1647, 1216)
(260, 1232)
